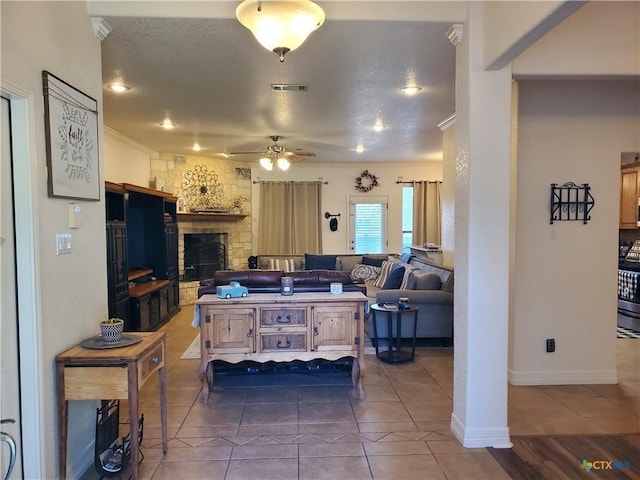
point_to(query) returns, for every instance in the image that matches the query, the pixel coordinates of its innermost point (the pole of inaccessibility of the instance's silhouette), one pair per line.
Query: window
(407, 217)
(368, 224)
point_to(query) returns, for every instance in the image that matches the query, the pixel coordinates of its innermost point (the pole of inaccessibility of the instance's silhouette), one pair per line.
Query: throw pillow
(347, 262)
(405, 257)
(385, 269)
(448, 284)
(394, 279)
(407, 282)
(374, 262)
(411, 281)
(285, 264)
(319, 262)
(428, 281)
(366, 273)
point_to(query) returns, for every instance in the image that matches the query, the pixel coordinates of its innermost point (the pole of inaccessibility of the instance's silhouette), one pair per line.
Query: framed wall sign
(71, 131)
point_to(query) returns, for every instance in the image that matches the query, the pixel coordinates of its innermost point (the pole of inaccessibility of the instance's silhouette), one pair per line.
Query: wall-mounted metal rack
(571, 202)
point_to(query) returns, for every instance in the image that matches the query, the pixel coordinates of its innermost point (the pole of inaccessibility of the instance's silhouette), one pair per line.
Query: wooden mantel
(209, 217)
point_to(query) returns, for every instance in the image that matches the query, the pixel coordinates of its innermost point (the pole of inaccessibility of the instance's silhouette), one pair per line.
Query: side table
(394, 353)
(115, 373)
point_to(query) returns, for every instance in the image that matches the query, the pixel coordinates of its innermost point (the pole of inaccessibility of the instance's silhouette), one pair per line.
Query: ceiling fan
(277, 155)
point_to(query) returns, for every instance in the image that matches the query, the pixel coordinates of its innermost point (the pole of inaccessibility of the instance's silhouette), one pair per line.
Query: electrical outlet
(63, 243)
(551, 345)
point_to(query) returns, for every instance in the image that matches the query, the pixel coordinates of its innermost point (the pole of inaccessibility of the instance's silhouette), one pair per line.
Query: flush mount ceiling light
(118, 87)
(410, 89)
(280, 26)
(167, 124)
(378, 126)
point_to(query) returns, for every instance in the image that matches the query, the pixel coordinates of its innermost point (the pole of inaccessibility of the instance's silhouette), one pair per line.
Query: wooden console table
(114, 373)
(271, 327)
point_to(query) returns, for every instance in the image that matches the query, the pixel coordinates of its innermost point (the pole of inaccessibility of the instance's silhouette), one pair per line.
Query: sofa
(431, 290)
(382, 278)
(269, 281)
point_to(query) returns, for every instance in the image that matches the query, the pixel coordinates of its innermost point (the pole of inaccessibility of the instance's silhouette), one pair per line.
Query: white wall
(566, 273)
(602, 38)
(448, 195)
(72, 289)
(125, 161)
(510, 27)
(341, 181)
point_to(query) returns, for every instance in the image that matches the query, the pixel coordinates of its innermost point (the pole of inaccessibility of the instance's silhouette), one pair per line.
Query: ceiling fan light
(283, 164)
(280, 26)
(266, 163)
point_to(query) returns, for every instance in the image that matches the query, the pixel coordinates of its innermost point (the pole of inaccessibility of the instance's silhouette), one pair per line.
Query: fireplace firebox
(204, 255)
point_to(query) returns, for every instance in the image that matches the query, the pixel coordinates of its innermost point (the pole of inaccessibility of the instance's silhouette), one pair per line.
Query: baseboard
(83, 462)
(563, 377)
(480, 437)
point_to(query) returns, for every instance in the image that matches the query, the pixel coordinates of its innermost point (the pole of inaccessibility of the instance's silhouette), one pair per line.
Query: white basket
(111, 332)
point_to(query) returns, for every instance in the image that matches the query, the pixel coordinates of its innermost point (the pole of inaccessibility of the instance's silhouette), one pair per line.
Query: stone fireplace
(232, 232)
(204, 255)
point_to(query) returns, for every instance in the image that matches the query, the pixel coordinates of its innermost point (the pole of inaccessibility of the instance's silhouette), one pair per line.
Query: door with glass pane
(368, 224)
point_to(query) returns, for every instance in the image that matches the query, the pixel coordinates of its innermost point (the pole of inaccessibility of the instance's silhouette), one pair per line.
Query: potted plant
(111, 330)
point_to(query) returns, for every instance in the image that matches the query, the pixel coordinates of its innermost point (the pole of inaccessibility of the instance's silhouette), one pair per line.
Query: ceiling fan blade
(262, 152)
(300, 154)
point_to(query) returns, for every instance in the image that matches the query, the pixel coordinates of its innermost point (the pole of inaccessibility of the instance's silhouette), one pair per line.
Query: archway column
(482, 233)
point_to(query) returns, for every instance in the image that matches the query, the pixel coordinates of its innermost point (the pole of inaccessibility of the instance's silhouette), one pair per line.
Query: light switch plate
(74, 219)
(63, 243)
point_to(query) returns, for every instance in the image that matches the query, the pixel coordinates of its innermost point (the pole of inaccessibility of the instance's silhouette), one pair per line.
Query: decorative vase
(111, 331)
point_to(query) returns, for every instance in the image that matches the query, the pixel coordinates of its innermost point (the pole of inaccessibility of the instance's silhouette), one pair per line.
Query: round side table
(394, 352)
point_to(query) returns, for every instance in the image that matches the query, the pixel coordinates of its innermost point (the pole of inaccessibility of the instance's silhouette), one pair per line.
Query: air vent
(286, 87)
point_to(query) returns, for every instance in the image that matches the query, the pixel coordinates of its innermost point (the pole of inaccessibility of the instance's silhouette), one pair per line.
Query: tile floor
(310, 426)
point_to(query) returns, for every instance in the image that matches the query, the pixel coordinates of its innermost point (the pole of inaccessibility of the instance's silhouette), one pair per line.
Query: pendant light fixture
(280, 26)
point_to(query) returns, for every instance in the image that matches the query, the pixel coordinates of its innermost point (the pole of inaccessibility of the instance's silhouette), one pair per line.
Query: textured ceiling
(214, 80)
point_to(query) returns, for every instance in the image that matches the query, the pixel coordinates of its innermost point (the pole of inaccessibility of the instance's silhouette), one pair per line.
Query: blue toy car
(234, 289)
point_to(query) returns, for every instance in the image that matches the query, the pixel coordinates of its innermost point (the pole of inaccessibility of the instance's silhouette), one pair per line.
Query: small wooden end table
(394, 354)
(114, 373)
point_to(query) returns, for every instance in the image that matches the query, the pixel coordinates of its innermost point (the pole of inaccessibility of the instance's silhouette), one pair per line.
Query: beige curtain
(427, 211)
(290, 218)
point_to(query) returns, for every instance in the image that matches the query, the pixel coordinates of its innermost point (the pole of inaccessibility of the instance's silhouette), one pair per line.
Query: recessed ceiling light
(359, 148)
(410, 89)
(118, 87)
(167, 124)
(196, 147)
(378, 127)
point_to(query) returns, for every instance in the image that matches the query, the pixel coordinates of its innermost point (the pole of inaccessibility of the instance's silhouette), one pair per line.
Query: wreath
(366, 181)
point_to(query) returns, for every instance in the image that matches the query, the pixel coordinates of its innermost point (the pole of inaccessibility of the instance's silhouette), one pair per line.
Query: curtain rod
(418, 181)
(288, 181)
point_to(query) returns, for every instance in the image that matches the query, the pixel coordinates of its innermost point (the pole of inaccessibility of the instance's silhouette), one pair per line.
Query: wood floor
(560, 457)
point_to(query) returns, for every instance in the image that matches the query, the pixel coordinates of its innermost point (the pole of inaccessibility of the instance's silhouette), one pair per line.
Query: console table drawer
(149, 364)
(283, 317)
(283, 342)
(82, 383)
